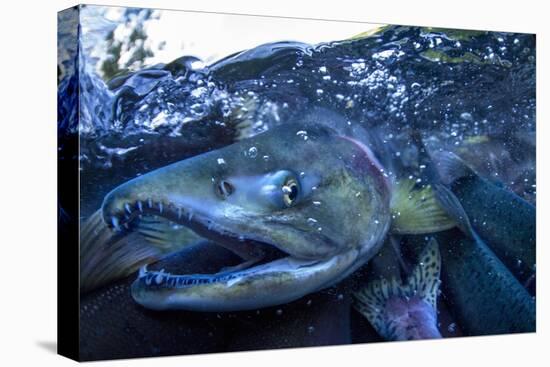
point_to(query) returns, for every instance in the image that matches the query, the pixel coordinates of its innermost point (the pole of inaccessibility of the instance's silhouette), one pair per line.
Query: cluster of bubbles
(451, 85)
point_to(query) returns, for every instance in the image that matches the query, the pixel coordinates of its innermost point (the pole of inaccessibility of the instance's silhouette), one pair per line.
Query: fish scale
(483, 294)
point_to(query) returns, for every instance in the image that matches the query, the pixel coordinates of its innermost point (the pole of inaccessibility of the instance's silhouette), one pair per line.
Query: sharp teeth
(190, 216)
(179, 213)
(115, 223)
(150, 203)
(126, 226)
(140, 206)
(127, 207)
(160, 277)
(142, 271)
(160, 207)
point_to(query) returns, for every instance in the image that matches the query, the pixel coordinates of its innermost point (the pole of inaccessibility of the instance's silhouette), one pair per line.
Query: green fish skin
(482, 293)
(501, 218)
(314, 194)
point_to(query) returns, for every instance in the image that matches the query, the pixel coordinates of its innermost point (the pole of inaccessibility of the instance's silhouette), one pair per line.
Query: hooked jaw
(316, 221)
(277, 282)
(273, 283)
(283, 279)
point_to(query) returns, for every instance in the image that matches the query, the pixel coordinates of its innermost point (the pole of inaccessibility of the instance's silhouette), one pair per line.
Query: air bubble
(311, 221)
(302, 134)
(253, 152)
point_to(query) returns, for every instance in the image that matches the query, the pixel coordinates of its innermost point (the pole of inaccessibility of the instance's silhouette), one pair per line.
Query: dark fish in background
(506, 159)
(481, 292)
(405, 311)
(114, 326)
(500, 217)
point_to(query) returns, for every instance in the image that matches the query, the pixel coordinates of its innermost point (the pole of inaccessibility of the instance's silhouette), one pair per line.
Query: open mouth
(267, 276)
(255, 253)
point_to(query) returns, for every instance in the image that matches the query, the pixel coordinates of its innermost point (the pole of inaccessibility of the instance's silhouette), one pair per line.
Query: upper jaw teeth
(123, 216)
(142, 271)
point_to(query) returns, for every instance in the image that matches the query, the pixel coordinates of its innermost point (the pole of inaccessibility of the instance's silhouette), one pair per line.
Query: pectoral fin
(417, 211)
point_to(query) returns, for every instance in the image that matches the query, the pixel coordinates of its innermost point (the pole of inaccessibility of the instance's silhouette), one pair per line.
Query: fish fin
(417, 211)
(371, 301)
(242, 118)
(451, 167)
(106, 255)
(164, 234)
(424, 280)
(452, 206)
(115, 261)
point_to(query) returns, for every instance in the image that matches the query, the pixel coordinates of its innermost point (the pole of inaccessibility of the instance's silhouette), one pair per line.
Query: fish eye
(290, 191)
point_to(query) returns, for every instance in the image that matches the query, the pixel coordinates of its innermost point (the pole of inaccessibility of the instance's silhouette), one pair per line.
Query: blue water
(449, 84)
(470, 92)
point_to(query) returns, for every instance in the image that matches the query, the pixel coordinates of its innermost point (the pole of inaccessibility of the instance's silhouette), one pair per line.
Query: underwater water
(471, 93)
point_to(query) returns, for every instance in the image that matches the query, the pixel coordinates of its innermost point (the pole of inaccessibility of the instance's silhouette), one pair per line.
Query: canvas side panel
(67, 183)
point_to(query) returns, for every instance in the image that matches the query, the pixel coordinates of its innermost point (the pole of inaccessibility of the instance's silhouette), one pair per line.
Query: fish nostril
(224, 188)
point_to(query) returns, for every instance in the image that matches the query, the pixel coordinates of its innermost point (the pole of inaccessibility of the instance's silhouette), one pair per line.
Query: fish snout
(119, 209)
(122, 205)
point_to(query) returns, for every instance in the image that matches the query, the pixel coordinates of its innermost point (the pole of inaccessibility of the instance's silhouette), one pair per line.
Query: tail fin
(423, 282)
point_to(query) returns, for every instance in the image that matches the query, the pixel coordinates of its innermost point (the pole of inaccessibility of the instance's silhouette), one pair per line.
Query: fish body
(307, 196)
(405, 311)
(482, 293)
(501, 218)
